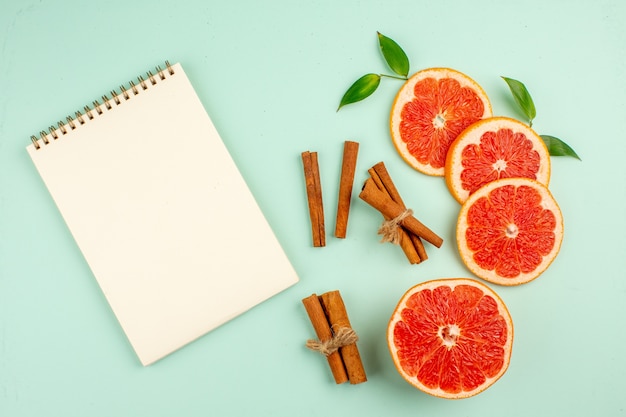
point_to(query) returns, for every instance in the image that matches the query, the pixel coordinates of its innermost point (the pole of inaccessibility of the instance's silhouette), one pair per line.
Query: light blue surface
(271, 75)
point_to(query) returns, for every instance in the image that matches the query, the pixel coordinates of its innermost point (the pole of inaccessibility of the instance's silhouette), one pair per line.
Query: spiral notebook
(162, 215)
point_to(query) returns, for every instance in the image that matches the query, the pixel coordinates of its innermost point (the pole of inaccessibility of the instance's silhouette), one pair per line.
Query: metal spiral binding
(90, 113)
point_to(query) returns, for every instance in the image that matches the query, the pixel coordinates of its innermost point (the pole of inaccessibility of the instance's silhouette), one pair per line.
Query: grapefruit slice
(451, 338)
(494, 148)
(429, 112)
(509, 231)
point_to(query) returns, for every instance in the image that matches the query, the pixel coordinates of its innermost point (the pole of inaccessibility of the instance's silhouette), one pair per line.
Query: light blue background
(271, 75)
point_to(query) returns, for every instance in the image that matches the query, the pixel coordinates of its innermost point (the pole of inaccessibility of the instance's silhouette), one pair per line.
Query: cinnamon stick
(318, 198)
(348, 168)
(384, 204)
(314, 197)
(335, 311)
(324, 333)
(406, 241)
(380, 171)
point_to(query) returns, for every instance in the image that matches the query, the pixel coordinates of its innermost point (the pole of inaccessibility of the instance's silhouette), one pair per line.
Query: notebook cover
(162, 215)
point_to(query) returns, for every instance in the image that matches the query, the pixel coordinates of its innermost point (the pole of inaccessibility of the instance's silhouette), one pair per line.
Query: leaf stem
(394, 76)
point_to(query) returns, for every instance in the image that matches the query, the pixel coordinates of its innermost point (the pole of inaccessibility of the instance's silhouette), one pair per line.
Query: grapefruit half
(430, 110)
(509, 231)
(451, 338)
(494, 148)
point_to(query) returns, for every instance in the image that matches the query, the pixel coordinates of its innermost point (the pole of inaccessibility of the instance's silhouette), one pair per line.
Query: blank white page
(162, 215)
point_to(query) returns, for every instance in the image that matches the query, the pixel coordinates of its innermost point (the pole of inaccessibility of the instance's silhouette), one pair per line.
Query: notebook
(159, 210)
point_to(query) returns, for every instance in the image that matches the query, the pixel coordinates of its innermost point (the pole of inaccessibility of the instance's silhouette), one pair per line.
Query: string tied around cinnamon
(343, 337)
(390, 229)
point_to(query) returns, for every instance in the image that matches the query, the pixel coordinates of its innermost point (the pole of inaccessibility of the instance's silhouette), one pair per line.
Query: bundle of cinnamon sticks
(336, 338)
(400, 226)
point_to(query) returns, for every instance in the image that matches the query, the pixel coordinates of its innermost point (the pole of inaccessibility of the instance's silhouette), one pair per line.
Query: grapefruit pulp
(509, 231)
(494, 148)
(430, 110)
(451, 338)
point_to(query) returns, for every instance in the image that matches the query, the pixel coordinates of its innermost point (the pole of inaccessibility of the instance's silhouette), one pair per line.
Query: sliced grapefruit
(432, 108)
(509, 231)
(451, 338)
(494, 148)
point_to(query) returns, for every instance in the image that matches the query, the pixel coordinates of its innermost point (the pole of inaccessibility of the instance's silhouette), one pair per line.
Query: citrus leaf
(522, 98)
(394, 55)
(362, 88)
(556, 147)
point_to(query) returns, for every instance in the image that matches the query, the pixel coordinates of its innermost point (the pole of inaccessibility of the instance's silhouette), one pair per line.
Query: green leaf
(522, 98)
(557, 147)
(362, 88)
(394, 55)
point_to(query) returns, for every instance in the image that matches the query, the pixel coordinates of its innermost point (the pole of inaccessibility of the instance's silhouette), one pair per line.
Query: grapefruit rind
(467, 255)
(406, 94)
(472, 136)
(452, 283)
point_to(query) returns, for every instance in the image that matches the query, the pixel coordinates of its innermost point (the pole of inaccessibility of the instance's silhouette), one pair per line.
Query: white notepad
(161, 213)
